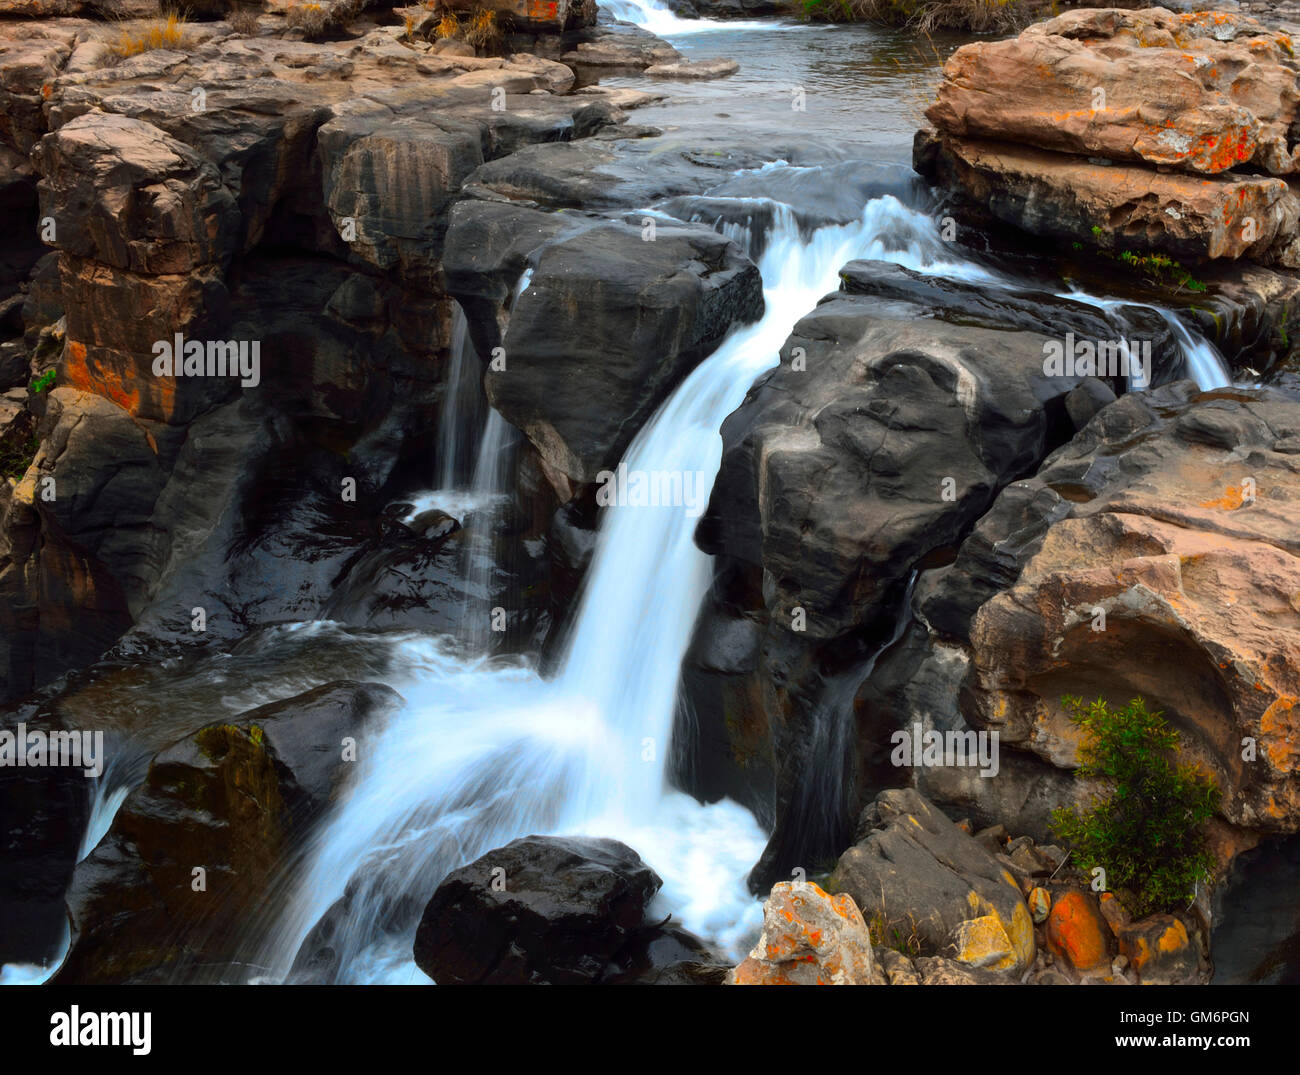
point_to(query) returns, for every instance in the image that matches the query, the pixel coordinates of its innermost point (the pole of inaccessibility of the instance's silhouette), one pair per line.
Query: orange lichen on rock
(1077, 932)
(808, 938)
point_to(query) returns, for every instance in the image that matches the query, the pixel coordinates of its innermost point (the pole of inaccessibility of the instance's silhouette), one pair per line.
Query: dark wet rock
(850, 501)
(541, 910)
(723, 743)
(964, 303)
(43, 815)
(235, 799)
(608, 326)
(488, 248)
(1083, 402)
(865, 455)
(1256, 939)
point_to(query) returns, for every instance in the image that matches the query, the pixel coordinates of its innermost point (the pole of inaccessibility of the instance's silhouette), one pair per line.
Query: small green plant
(1162, 268)
(1147, 833)
(43, 382)
(1096, 230)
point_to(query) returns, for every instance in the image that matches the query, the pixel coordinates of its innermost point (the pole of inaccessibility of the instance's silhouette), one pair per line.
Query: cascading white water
(658, 19)
(1204, 363)
(488, 751)
(461, 409)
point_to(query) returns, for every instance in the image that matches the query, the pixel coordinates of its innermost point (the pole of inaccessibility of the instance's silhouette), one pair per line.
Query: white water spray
(485, 752)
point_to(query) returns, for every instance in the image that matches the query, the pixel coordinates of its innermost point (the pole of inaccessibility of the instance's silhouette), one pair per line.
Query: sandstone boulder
(809, 938)
(1119, 206)
(1157, 557)
(1202, 92)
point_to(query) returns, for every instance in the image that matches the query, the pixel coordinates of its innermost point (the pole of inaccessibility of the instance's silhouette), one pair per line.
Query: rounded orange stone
(1077, 932)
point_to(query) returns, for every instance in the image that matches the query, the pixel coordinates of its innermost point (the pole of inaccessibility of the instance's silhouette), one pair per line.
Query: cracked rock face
(1170, 571)
(1116, 128)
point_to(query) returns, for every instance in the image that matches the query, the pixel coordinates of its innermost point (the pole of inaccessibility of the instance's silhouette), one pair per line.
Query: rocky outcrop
(1143, 130)
(809, 938)
(1200, 92)
(192, 853)
(275, 193)
(899, 409)
(651, 309)
(924, 878)
(1155, 557)
(1054, 195)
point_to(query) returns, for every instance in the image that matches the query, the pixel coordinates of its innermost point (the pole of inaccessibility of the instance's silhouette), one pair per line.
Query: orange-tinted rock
(808, 938)
(1192, 218)
(1202, 93)
(1114, 912)
(1178, 522)
(1158, 949)
(1076, 931)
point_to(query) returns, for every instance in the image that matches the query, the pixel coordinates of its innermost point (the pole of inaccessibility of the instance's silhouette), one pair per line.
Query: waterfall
(1204, 363)
(486, 751)
(658, 19)
(461, 415)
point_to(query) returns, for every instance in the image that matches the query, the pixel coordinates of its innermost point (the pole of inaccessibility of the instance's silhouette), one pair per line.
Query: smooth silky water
(486, 749)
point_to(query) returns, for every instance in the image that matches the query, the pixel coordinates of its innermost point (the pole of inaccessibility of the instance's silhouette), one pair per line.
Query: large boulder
(172, 888)
(541, 910)
(899, 409)
(1144, 131)
(1200, 92)
(610, 324)
(925, 878)
(1154, 555)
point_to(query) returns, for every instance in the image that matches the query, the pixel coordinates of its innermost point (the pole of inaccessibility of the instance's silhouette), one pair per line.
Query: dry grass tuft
(310, 18)
(245, 22)
(159, 34)
(483, 32)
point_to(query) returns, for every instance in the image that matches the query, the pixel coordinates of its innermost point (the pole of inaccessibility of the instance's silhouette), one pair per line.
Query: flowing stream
(486, 749)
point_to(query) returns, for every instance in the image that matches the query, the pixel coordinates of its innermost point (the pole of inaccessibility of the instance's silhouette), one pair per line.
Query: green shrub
(44, 381)
(1148, 833)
